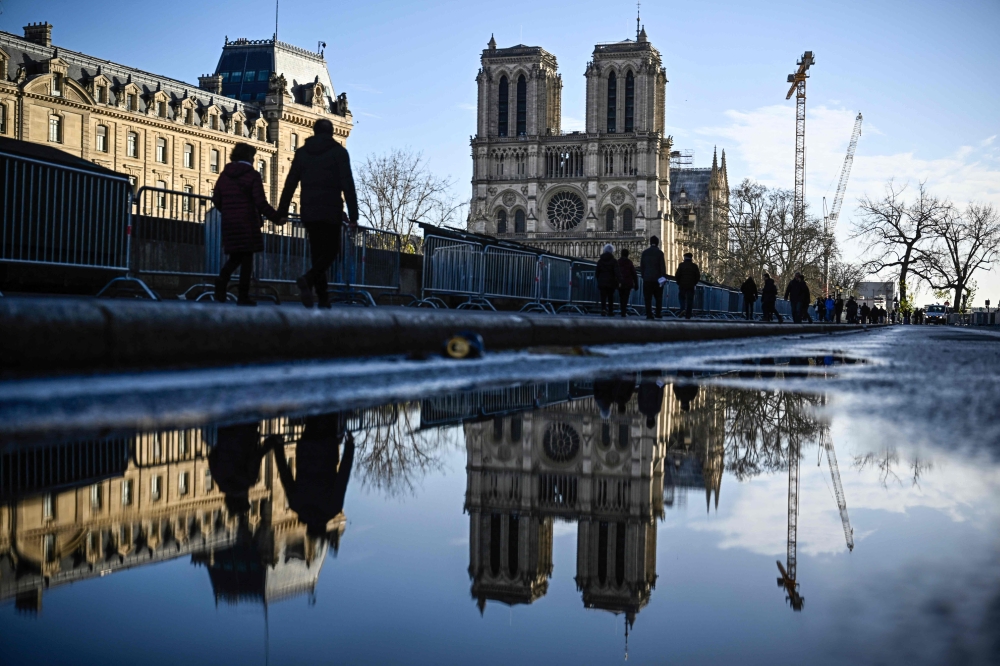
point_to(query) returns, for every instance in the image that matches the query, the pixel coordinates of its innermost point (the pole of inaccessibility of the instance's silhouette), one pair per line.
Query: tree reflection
(393, 454)
(887, 461)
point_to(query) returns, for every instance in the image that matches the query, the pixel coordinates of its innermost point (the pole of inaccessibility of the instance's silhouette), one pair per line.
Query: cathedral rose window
(565, 211)
(561, 442)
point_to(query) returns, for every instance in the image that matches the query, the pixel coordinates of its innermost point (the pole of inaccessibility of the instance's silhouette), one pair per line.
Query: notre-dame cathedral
(572, 192)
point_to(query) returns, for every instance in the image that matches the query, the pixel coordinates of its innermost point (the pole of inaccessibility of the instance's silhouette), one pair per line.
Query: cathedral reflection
(603, 455)
(229, 497)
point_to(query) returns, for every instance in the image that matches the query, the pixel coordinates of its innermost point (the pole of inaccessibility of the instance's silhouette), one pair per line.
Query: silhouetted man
(653, 268)
(316, 492)
(323, 168)
(650, 397)
(749, 290)
(687, 275)
(235, 463)
(769, 299)
(793, 294)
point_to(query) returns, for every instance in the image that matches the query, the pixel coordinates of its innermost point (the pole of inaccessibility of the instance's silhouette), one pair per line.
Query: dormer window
(260, 133)
(101, 94)
(683, 194)
(213, 121)
(132, 102)
(57, 85)
(189, 116)
(161, 109)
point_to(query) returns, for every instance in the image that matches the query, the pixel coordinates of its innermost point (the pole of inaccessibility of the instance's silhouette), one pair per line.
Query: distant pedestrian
(650, 399)
(687, 276)
(805, 298)
(239, 197)
(749, 290)
(865, 312)
(852, 310)
(820, 308)
(653, 270)
(630, 280)
(795, 291)
(829, 308)
(838, 309)
(768, 299)
(323, 168)
(609, 278)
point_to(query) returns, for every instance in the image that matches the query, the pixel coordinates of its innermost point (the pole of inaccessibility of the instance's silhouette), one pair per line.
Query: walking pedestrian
(630, 279)
(865, 311)
(830, 305)
(650, 399)
(768, 299)
(838, 309)
(653, 269)
(323, 168)
(749, 290)
(820, 308)
(805, 298)
(609, 278)
(687, 276)
(239, 197)
(852, 310)
(794, 294)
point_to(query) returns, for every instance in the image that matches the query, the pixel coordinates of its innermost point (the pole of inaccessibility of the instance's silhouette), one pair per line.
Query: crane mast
(838, 489)
(830, 221)
(798, 81)
(789, 572)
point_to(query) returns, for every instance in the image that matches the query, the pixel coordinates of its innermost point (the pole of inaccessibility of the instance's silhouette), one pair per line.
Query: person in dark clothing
(323, 168)
(795, 292)
(852, 310)
(768, 299)
(685, 393)
(623, 391)
(749, 290)
(838, 310)
(317, 489)
(608, 276)
(235, 463)
(630, 280)
(805, 299)
(653, 269)
(687, 276)
(865, 312)
(604, 396)
(821, 309)
(650, 400)
(239, 198)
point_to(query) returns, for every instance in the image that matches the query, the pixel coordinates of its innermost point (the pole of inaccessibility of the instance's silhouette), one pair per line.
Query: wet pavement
(822, 499)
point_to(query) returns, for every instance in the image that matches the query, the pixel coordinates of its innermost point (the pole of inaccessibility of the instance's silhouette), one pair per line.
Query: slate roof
(694, 182)
(301, 68)
(83, 67)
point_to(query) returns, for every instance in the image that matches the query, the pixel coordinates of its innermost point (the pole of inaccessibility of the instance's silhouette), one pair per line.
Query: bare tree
(762, 234)
(963, 243)
(895, 230)
(397, 188)
(847, 276)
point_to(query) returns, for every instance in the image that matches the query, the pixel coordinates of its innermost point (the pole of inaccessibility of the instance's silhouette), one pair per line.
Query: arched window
(519, 222)
(522, 106)
(609, 220)
(629, 102)
(627, 219)
(102, 139)
(502, 107)
(612, 102)
(501, 222)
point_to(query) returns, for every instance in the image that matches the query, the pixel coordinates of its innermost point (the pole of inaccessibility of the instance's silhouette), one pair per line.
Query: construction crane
(830, 220)
(798, 81)
(788, 572)
(826, 444)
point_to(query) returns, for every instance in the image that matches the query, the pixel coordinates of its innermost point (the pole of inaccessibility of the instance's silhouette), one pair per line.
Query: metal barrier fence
(180, 233)
(57, 214)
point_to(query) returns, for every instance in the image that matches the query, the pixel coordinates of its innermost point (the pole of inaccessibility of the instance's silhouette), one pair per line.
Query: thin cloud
(363, 88)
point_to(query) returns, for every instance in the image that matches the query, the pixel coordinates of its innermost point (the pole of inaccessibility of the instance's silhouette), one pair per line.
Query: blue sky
(924, 75)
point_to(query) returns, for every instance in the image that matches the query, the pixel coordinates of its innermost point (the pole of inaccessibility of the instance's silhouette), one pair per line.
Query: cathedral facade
(572, 192)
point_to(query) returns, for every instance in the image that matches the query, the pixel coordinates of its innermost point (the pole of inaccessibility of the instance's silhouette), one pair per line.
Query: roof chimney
(39, 33)
(211, 83)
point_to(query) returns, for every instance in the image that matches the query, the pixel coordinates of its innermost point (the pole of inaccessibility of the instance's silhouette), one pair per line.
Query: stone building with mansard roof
(160, 131)
(572, 192)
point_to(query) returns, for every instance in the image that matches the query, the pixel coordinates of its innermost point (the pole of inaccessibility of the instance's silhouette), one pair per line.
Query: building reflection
(80, 510)
(607, 455)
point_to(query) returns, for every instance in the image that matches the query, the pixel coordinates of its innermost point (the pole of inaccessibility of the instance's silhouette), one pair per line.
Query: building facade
(572, 192)
(162, 132)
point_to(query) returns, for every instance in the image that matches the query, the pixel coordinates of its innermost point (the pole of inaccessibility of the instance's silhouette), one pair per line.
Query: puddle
(620, 514)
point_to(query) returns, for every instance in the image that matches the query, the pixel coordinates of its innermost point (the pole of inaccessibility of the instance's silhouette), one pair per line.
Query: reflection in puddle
(260, 505)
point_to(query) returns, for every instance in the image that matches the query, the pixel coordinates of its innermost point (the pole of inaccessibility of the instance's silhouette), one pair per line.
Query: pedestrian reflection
(316, 491)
